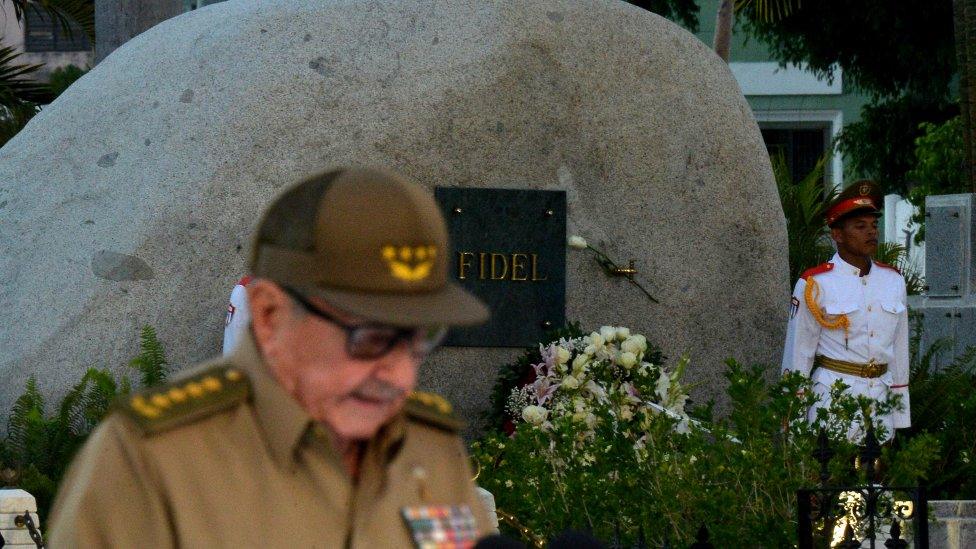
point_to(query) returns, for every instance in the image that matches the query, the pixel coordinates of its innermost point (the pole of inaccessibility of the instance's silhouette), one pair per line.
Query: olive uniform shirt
(229, 459)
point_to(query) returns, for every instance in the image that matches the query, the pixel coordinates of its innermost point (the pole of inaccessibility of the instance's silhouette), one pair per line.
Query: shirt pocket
(837, 308)
(894, 307)
(888, 316)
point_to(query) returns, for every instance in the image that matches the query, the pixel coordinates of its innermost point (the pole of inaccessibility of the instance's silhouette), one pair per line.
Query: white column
(14, 502)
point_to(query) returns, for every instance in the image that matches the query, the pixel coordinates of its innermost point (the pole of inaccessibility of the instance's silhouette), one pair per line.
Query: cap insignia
(410, 263)
(865, 189)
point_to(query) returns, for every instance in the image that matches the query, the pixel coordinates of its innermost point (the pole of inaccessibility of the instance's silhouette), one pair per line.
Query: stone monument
(130, 200)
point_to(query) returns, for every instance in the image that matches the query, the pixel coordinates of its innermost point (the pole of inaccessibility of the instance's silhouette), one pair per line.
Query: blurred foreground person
(849, 317)
(309, 434)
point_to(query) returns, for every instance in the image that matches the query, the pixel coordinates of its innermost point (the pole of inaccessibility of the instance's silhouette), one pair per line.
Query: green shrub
(62, 77)
(40, 445)
(615, 466)
(944, 407)
(939, 158)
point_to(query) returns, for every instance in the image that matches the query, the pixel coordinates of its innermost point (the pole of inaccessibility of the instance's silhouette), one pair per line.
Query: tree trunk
(117, 21)
(723, 29)
(964, 16)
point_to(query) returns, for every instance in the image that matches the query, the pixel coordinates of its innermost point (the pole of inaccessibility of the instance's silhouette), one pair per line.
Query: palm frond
(768, 11)
(893, 253)
(151, 361)
(102, 391)
(16, 86)
(29, 402)
(70, 418)
(804, 203)
(25, 427)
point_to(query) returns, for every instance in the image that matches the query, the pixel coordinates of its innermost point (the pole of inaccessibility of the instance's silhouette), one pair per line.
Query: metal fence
(847, 517)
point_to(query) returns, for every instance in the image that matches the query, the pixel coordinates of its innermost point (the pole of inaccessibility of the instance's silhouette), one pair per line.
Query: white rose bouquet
(601, 380)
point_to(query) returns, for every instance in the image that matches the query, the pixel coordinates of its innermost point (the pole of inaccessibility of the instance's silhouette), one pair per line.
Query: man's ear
(837, 233)
(270, 308)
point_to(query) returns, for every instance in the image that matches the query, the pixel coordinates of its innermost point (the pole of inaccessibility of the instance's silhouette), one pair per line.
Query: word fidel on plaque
(509, 249)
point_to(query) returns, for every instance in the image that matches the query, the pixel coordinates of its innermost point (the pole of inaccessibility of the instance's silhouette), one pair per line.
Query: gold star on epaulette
(433, 410)
(164, 407)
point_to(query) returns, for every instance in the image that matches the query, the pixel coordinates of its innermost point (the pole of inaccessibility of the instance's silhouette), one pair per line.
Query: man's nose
(394, 361)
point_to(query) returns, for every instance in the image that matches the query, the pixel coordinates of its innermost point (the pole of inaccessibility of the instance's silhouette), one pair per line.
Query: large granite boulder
(131, 199)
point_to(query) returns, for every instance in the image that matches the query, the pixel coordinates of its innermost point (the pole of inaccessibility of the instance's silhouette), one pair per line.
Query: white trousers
(873, 388)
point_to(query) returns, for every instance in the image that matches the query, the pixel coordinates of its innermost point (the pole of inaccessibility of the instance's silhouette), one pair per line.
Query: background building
(800, 115)
(43, 41)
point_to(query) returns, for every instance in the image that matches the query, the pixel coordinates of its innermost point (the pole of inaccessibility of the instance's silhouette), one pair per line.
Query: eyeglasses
(370, 341)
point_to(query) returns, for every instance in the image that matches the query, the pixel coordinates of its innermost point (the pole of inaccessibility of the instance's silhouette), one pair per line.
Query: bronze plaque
(509, 249)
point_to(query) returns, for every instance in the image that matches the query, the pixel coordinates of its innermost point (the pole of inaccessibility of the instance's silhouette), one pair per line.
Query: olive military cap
(369, 242)
(863, 197)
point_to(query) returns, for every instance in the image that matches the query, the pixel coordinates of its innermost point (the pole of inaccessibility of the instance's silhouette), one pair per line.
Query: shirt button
(864, 281)
(872, 334)
(869, 308)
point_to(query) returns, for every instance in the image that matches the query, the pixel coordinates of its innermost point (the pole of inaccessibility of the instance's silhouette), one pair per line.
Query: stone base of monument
(15, 503)
(953, 524)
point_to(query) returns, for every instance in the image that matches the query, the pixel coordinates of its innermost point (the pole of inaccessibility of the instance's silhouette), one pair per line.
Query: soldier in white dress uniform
(849, 316)
(238, 316)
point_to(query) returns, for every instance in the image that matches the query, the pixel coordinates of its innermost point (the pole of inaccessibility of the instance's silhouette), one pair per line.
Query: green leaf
(151, 362)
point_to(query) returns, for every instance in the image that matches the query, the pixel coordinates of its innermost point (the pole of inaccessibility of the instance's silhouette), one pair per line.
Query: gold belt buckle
(870, 369)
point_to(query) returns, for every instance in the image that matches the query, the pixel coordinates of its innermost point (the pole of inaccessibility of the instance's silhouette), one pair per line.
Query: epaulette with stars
(434, 410)
(164, 407)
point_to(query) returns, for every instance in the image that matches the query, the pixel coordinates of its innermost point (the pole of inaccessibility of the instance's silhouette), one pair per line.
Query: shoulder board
(886, 266)
(433, 410)
(164, 407)
(819, 269)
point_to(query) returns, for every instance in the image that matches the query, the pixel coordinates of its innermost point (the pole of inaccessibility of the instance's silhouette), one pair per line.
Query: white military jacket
(238, 316)
(876, 307)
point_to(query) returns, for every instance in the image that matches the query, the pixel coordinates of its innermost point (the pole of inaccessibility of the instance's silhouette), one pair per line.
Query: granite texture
(131, 199)
(952, 524)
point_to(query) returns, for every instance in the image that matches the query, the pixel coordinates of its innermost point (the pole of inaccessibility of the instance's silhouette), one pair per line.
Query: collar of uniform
(281, 418)
(843, 267)
(379, 451)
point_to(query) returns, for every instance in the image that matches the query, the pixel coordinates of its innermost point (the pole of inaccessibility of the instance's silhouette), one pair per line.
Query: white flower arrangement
(587, 381)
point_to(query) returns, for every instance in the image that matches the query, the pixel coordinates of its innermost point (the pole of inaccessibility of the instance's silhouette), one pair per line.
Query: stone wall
(953, 524)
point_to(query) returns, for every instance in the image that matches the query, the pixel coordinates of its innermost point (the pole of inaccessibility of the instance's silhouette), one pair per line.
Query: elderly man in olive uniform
(849, 316)
(309, 434)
